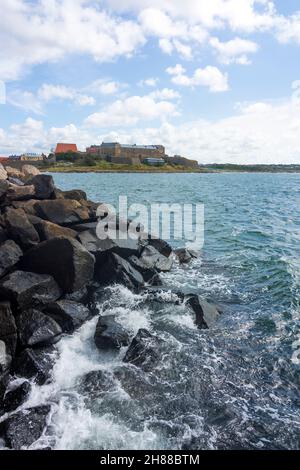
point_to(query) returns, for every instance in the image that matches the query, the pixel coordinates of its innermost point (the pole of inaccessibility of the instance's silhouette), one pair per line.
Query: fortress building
(130, 154)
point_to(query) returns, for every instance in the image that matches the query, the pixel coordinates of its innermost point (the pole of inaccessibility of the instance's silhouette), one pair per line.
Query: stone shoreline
(51, 265)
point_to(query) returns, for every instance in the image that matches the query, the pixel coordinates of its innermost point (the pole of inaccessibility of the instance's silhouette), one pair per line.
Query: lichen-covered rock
(68, 314)
(27, 289)
(62, 211)
(35, 364)
(8, 329)
(71, 265)
(20, 229)
(10, 254)
(110, 335)
(37, 329)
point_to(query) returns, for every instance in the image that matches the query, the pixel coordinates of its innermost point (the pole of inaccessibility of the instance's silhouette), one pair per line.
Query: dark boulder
(74, 195)
(110, 334)
(5, 358)
(20, 229)
(63, 212)
(68, 314)
(27, 206)
(16, 394)
(43, 186)
(26, 289)
(35, 364)
(116, 269)
(206, 314)
(149, 274)
(163, 295)
(10, 254)
(4, 185)
(71, 265)
(8, 329)
(24, 428)
(155, 260)
(95, 383)
(3, 235)
(143, 351)
(4, 379)
(48, 230)
(35, 328)
(16, 181)
(185, 255)
(20, 193)
(161, 246)
(123, 247)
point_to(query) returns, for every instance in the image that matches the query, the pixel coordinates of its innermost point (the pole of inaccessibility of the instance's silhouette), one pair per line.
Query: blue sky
(216, 81)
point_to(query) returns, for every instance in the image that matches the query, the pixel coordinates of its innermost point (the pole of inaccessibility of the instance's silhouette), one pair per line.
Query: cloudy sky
(215, 80)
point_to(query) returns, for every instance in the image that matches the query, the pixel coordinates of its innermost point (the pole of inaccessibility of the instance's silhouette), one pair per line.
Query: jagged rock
(206, 314)
(3, 172)
(26, 289)
(88, 226)
(62, 211)
(4, 185)
(68, 314)
(5, 359)
(124, 248)
(75, 195)
(30, 170)
(82, 296)
(155, 260)
(37, 329)
(27, 206)
(48, 230)
(16, 395)
(95, 383)
(15, 181)
(20, 229)
(144, 350)
(43, 186)
(185, 255)
(8, 329)
(20, 193)
(110, 334)
(71, 265)
(25, 427)
(35, 364)
(161, 246)
(116, 269)
(4, 379)
(14, 172)
(10, 254)
(149, 274)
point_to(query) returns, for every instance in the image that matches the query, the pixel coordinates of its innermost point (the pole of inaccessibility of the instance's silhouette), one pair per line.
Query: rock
(71, 265)
(30, 170)
(10, 254)
(88, 226)
(35, 364)
(27, 206)
(8, 329)
(95, 383)
(37, 329)
(25, 427)
(4, 185)
(43, 186)
(110, 334)
(185, 255)
(68, 314)
(5, 359)
(4, 379)
(155, 260)
(161, 246)
(20, 193)
(15, 181)
(3, 235)
(48, 230)
(143, 351)
(27, 289)
(17, 394)
(116, 269)
(122, 247)
(164, 295)
(150, 275)
(14, 172)
(75, 195)
(62, 212)
(3, 172)
(206, 314)
(20, 229)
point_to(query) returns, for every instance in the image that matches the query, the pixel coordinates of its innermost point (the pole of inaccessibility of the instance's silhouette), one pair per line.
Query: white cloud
(210, 77)
(165, 94)
(234, 51)
(131, 111)
(105, 87)
(151, 82)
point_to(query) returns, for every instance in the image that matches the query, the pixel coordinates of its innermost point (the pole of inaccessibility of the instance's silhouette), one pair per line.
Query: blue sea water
(234, 386)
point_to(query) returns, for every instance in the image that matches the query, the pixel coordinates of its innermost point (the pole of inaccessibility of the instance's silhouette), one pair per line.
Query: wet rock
(14, 172)
(10, 254)
(110, 334)
(20, 229)
(206, 314)
(35, 364)
(75, 268)
(134, 382)
(20, 193)
(16, 394)
(161, 246)
(48, 230)
(95, 383)
(35, 328)
(26, 289)
(3, 172)
(43, 186)
(185, 255)
(68, 314)
(8, 329)
(25, 427)
(155, 260)
(116, 269)
(29, 171)
(144, 350)
(164, 294)
(4, 185)
(63, 212)
(149, 274)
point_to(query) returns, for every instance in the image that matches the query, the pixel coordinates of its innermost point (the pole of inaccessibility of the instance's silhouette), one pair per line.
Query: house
(65, 148)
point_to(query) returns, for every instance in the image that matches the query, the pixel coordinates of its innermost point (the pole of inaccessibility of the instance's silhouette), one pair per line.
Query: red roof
(4, 159)
(63, 148)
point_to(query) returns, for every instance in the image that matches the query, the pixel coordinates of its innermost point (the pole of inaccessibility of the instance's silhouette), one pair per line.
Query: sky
(217, 81)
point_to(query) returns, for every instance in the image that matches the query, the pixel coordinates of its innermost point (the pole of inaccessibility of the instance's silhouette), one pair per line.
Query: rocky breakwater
(51, 265)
